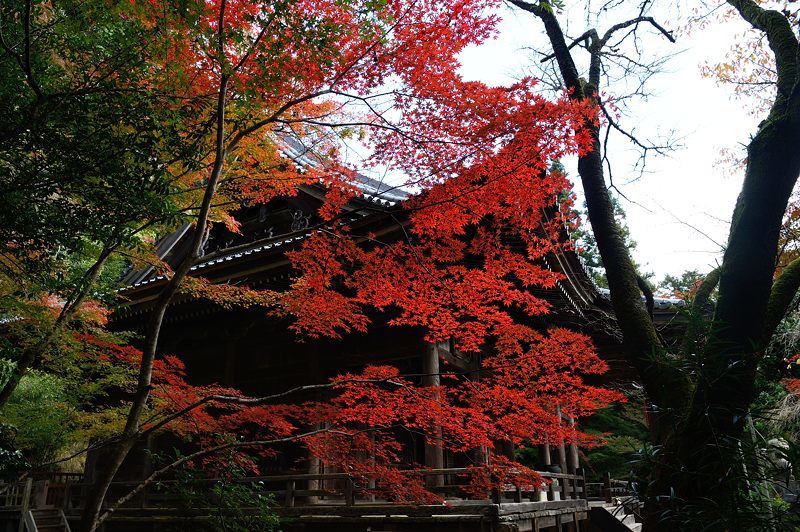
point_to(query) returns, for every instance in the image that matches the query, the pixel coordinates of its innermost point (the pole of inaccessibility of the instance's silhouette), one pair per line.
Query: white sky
(689, 186)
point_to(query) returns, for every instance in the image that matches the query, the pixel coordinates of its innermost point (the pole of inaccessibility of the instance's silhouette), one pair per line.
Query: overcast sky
(688, 188)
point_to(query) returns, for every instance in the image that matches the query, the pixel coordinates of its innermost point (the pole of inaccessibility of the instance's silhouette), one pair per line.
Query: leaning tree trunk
(748, 308)
(701, 417)
(709, 449)
(130, 434)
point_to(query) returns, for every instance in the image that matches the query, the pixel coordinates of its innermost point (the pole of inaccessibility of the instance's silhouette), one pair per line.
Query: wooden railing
(614, 488)
(342, 489)
(16, 495)
(69, 492)
(618, 492)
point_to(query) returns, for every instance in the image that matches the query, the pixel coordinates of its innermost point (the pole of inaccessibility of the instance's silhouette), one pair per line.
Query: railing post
(584, 488)
(565, 489)
(26, 495)
(349, 496)
(67, 488)
(607, 486)
(290, 484)
(26, 502)
(551, 490)
(496, 494)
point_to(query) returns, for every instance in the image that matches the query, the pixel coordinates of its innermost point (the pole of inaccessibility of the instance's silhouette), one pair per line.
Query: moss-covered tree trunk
(702, 415)
(749, 303)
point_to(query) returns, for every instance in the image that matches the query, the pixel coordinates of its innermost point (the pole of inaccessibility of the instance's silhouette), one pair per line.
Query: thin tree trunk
(130, 434)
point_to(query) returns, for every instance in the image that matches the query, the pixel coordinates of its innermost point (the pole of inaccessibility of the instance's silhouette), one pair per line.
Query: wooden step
(50, 520)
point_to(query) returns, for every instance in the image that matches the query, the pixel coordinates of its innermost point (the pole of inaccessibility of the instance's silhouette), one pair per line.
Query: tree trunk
(701, 415)
(716, 420)
(130, 434)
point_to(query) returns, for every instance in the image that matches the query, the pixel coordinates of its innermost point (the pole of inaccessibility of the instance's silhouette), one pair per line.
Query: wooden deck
(331, 503)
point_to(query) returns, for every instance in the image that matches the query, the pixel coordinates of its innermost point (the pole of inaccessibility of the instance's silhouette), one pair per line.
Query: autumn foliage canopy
(242, 76)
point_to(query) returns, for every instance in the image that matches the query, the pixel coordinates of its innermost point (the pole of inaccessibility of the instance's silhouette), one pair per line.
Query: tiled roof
(227, 258)
(373, 190)
(660, 303)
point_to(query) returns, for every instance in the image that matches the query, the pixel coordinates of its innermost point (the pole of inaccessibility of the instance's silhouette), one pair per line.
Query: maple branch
(245, 401)
(252, 401)
(273, 117)
(180, 273)
(402, 209)
(221, 39)
(8, 49)
(288, 105)
(94, 503)
(200, 454)
(68, 310)
(257, 41)
(337, 78)
(379, 115)
(23, 60)
(26, 53)
(315, 122)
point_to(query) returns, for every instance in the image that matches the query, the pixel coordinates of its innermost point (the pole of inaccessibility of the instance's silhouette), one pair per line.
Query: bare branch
(583, 38)
(566, 63)
(635, 22)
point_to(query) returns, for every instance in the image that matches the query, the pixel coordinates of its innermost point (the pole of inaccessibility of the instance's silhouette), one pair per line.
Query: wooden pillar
(504, 448)
(434, 455)
(544, 454)
(562, 460)
(544, 461)
(562, 452)
(315, 467)
(573, 462)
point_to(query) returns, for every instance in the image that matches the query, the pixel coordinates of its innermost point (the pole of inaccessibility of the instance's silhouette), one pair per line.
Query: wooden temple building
(253, 351)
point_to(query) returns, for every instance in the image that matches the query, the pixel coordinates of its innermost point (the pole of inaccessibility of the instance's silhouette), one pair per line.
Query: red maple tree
(248, 73)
